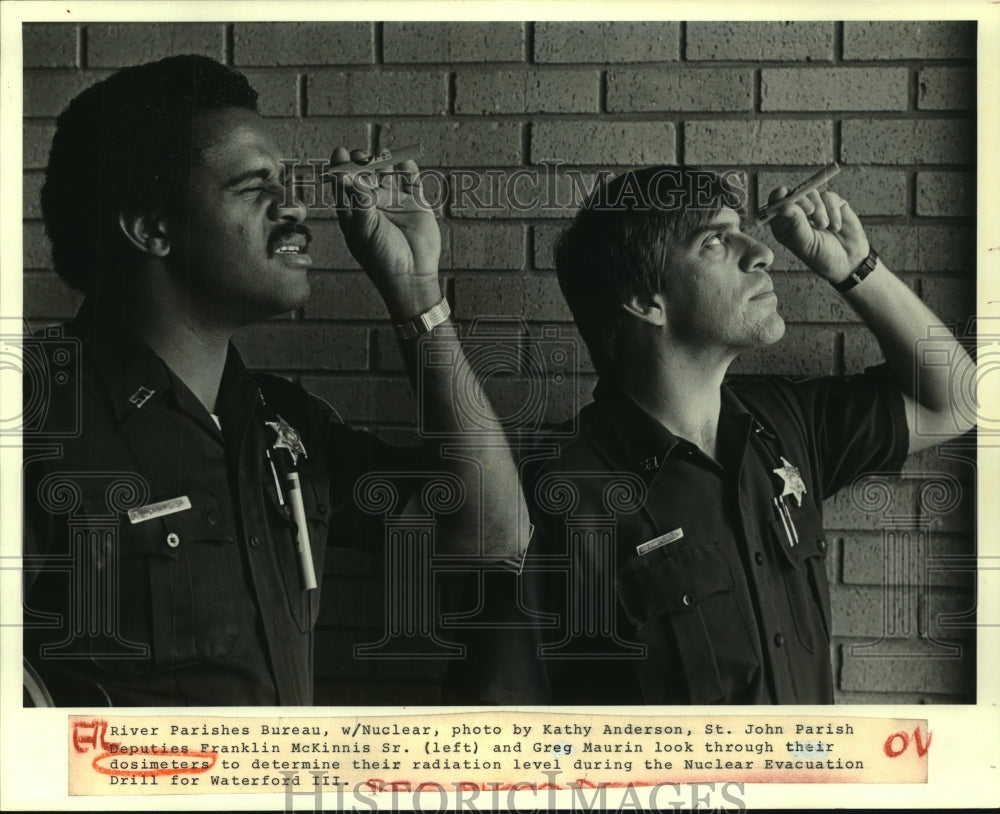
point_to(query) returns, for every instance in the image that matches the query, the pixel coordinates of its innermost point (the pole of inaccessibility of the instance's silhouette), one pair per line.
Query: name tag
(656, 542)
(161, 509)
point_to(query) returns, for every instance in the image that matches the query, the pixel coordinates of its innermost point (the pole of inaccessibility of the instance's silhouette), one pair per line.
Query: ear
(146, 231)
(653, 311)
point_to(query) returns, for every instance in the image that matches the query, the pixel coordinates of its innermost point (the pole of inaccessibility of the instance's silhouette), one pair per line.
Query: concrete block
(116, 45)
(946, 194)
(488, 246)
(46, 298)
(540, 91)
(946, 89)
(48, 93)
(603, 142)
(31, 195)
(757, 41)
(301, 346)
(918, 39)
(37, 249)
(672, 89)
(533, 297)
(343, 296)
(947, 560)
(313, 43)
(607, 42)
(953, 299)
(870, 502)
(770, 141)
(453, 143)
(279, 91)
(909, 666)
(528, 192)
(448, 42)
(50, 45)
(908, 141)
(36, 140)
(367, 92)
(834, 89)
(869, 190)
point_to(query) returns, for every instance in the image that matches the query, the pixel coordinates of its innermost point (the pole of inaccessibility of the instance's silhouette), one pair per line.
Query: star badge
(792, 480)
(288, 438)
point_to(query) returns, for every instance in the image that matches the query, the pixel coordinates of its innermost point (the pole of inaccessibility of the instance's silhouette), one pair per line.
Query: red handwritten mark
(91, 733)
(921, 746)
(212, 757)
(898, 742)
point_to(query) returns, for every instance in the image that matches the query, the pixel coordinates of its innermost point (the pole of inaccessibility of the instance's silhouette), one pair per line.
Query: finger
(807, 205)
(818, 216)
(777, 194)
(789, 211)
(409, 170)
(833, 202)
(340, 156)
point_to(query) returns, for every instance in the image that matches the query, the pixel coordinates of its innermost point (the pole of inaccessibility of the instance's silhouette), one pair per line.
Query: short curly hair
(618, 244)
(126, 143)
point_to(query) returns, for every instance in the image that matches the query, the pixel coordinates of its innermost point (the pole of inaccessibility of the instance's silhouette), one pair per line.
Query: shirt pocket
(303, 605)
(807, 589)
(689, 595)
(180, 582)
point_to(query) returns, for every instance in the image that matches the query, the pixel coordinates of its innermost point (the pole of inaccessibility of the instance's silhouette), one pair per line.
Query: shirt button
(687, 600)
(173, 540)
(779, 640)
(758, 558)
(821, 545)
(213, 518)
(254, 541)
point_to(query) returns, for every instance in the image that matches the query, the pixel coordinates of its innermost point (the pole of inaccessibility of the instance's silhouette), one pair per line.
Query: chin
(293, 295)
(772, 330)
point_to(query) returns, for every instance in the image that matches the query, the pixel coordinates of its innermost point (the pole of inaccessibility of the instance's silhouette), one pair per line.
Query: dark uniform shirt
(658, 575)
(160, 562)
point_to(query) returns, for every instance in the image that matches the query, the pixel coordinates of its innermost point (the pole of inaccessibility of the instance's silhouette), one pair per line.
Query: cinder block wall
(894, 102)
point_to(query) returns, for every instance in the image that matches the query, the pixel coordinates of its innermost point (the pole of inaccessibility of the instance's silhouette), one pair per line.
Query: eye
(264, 187)
(716, 239)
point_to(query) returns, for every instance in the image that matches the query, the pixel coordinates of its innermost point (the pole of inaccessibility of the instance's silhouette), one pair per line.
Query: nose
(287, 205)
(757, 256)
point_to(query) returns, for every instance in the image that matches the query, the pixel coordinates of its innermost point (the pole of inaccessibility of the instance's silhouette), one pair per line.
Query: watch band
(867, 267)
(425, 322)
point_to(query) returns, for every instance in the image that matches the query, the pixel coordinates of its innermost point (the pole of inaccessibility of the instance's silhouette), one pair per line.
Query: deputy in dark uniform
(165, 556)
(679, 552)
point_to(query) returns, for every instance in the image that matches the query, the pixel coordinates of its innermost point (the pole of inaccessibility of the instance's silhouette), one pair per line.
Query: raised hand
(821, 230)
(391, 232)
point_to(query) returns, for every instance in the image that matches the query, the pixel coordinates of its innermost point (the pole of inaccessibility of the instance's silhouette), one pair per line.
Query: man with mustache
(167, 205)
(679, 554)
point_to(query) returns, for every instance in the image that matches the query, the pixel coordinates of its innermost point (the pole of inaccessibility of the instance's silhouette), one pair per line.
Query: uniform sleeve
(855, 425)
(501, 664)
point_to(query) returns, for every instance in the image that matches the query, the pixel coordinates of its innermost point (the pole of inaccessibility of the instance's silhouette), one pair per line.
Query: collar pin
(141, 396)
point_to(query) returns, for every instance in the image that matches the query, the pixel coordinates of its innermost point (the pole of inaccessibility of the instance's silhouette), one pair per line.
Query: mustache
(285, 231)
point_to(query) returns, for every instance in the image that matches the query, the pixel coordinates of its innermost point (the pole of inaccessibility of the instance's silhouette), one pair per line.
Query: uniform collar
(135, 377)
(630, 436)
(636, 441)
(732, 403)
(132, 373)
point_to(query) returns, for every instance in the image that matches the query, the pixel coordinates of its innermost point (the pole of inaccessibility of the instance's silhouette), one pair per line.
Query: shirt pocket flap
(676, 583)
(167, 534)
